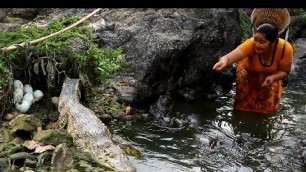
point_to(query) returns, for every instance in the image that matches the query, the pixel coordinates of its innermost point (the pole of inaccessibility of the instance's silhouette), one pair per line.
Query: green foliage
(296, 11)
(5, 76)
(107, 61)
(245, 24)
(60, 48)
(104, 61)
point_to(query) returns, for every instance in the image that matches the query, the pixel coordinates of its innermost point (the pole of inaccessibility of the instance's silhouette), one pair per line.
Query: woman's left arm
(274, 77)
(284, 67)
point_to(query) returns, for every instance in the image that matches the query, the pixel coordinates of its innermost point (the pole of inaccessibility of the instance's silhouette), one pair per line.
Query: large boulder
(172, 50)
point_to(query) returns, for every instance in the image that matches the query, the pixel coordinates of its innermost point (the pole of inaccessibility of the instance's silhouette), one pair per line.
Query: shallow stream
(219, 139)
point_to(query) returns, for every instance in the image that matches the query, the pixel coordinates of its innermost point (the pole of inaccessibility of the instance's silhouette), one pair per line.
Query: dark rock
(162, 107)
(126, 118)
(4, 164)
(172, 50)
(296, 78)
(106, 118)
(24, 13)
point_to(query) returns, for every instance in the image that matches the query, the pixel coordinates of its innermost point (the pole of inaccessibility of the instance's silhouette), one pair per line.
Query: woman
(262, 63)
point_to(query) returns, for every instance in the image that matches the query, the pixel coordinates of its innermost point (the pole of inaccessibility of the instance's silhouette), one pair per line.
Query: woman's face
(262, 45)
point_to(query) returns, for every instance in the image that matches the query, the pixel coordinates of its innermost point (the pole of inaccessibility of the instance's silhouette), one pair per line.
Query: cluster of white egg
(24, 96)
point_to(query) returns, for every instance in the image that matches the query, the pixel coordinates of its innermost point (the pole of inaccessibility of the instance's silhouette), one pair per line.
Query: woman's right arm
(228, 59)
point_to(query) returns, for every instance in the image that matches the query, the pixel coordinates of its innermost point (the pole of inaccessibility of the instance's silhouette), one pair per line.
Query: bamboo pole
(27, 43)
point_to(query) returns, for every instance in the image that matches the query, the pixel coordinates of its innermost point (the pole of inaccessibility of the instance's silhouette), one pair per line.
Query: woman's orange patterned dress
(250, 74)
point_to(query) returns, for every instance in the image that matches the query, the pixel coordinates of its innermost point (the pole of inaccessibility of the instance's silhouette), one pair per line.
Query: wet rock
(11, 149)
(126, 118)
(303, 142)
(23, 125)
(44, 159)
(145, 116)
(303, 156)
(118, 113)
(30, 163)
(12, 18)
(193, 120)
(245, 169)
(98, 24)
(79, 44)
(62, 157)
(16, 141)
(297, 77)
(106, 118)
(127, 146)
(162, 107)
(5, 137)
(53, 137)
(176, 123)
(21, 156)
(170, 49)
(25, 13)
(166, 119)
(4, 164)
(2, 15)
(125, 92)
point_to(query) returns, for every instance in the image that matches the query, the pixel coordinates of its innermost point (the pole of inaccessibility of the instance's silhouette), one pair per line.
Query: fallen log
(89, 133)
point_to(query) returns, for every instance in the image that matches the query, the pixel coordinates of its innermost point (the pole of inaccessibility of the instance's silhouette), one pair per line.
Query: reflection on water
(216, 138)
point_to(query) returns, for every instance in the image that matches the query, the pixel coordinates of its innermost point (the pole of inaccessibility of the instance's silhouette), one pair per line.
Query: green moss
(245, 24)
(103, 61)
(57, 50)
(13, 19)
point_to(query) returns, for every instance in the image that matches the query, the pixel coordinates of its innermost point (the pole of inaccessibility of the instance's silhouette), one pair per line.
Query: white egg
(27, 88)
(18, 84)
(28, 97)
(38, 95)
(23, 106)
(18, 94)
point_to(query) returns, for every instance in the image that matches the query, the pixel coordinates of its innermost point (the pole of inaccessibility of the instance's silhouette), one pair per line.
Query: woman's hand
(279, 75)
(221, 64)
(268, 81)
(228, 59)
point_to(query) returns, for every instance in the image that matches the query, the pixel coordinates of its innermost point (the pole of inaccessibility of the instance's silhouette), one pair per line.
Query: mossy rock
(6, 137)
(24, 125)
(53, 137)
